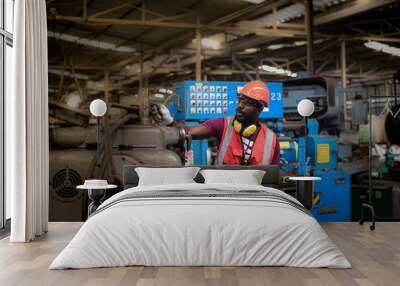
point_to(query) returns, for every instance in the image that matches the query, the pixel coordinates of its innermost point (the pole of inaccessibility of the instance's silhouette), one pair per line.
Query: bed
(201, 224)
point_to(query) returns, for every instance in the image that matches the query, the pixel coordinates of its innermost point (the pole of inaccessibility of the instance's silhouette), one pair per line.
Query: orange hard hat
(257, 90)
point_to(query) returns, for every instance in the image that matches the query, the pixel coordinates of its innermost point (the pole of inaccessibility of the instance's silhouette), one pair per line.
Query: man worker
(243, 139)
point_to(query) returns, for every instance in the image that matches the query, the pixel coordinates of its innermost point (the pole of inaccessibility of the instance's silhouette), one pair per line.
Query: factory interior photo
(199, 142)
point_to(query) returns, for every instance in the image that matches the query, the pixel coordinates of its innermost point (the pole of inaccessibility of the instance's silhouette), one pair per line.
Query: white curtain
(27, 148)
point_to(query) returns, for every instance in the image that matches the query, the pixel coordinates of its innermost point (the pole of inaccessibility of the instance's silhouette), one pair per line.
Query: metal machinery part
(73, 152)
(332, 193)
(130, 136)
(392, 126)
(316, 155)
(73, 149)
(312, 153)
(321, 91)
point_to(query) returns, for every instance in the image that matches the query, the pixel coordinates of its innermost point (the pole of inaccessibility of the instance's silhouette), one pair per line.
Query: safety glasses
(247, 101)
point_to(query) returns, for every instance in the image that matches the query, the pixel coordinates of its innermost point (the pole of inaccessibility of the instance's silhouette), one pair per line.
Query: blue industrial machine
(314, 154)
(197, 101)
(318, 158)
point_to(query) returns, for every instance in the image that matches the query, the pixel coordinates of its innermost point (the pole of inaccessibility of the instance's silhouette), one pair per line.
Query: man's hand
(161, 114)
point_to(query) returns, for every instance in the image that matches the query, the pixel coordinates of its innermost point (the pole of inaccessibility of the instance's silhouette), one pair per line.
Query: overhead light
(159, 95)
(280, 71)
(209, 43)
(293, 45)
(165, 90)
(275, 47)
(249, 51)
(90, 42)
(276, 70)
(254, 1)
(74, 100)
(383, 48)
(300, 43)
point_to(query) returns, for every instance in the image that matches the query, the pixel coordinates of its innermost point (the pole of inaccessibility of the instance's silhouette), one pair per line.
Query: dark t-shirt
(215, 127)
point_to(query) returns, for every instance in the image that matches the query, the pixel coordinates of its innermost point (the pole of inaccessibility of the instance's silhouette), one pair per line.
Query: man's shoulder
(214, 120)
(215, 126)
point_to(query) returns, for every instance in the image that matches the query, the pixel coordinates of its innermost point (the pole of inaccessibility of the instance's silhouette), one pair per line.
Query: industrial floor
(374, 255)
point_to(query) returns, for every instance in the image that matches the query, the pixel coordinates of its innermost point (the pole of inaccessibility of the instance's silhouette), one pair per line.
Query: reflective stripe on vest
(268, 147)
(225, 141)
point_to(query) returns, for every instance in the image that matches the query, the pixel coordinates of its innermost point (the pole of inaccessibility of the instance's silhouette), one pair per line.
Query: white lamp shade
(305, 107)
(98, 107)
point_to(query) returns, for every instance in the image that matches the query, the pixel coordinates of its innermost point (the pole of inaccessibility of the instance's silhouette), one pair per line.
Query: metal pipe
(173, 135)
(344, 78)
(141, 68)
(98, 141)
(370, 151)
(309, 18)
(288, 126)
(198, 55)
(395, 89)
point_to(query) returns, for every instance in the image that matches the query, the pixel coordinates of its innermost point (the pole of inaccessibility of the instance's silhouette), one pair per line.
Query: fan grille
(65, 182)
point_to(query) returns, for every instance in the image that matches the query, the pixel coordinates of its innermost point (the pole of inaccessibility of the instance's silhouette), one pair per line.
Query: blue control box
(322, 152)
(334, 196)
(202, 100)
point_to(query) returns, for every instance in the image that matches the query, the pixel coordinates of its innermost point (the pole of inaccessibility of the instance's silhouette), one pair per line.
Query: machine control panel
(199, 100)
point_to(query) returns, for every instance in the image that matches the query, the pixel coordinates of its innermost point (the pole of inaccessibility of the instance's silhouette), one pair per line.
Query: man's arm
(197, 132)
(209, 128)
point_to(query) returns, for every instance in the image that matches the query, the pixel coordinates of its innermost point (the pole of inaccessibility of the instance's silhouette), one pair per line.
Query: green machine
(385, 199)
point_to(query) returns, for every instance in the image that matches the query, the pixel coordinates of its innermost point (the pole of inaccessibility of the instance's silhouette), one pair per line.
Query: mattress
(201, 225)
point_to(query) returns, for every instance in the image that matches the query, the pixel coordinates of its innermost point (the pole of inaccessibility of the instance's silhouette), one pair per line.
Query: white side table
(305, 189)
(96, 195)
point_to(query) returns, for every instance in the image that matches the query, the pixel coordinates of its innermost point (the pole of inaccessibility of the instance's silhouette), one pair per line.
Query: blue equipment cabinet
(197, 101)
(318, 156)
(321, 151)
(334, 196)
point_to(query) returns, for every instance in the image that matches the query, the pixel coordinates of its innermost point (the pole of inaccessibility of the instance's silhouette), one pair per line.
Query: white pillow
(249, 177)
(164, 176)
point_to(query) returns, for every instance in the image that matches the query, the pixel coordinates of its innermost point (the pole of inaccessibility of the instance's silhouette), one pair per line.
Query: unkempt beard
(246, 121)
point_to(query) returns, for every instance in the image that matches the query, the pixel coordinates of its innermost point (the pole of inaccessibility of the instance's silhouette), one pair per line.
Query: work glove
(161, 114)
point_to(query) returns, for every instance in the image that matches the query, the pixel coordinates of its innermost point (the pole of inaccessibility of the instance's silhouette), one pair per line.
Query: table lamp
(98, 108)
(304, 184)
(305, 108)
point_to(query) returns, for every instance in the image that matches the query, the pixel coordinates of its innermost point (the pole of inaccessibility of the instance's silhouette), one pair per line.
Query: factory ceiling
(153, 42)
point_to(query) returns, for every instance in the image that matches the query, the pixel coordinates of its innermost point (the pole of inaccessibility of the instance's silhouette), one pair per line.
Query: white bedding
(200, 231)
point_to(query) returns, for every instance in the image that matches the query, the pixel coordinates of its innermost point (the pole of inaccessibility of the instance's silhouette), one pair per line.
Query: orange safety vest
(230, 151)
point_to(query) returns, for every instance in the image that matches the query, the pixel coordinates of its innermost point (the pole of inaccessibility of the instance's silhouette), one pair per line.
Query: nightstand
(96, 192)
(305, 189)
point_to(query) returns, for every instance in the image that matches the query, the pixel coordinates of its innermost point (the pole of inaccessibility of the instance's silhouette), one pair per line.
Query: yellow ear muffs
(237, 126)
(248, 131)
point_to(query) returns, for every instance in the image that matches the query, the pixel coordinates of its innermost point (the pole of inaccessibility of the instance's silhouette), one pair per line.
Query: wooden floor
(375, 257)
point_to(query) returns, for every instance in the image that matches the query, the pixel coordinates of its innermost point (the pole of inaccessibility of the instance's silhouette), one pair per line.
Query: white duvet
(200, 231)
